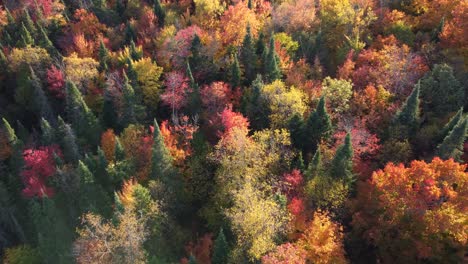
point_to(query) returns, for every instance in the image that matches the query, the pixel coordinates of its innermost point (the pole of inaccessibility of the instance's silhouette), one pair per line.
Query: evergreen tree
(160, 13)
(317, 127)
(195, 102)
(452, 146)
(68, 142)
(22, 132)
(249, 4)
(29, 23)
(3, 59)
(130, 33)
(441, 92)
(48, 133)
(16, 160)
(109, 114)
(272, 70)
(44, 40)
(235, 73)
(296, 131)
(342, 164)
(449, 126)
(128, 112)
(41, 103)
(255, 108)
(134, 54)
(298, 162)
(103, 57)
(407, 119)
(25, 37)
(119, 150)
(260, 45)
(161, 167)
(249, 57)
(92, 196)
(10, 132)
(192, 260)
(315, 167)
(220, 249)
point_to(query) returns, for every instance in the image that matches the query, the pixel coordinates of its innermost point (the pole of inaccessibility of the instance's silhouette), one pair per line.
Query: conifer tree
(342, 163)
(296, 131)
(44, 40)
(220, 249)
(272, 70)
(407, 119)
(249, 4)
(10, 132)
(3, 59)
(192, 260)
(441, 92)
(119, 150)
(103, 57)
(68, 142)
(249, 57)
(450, 125)
(298, 162)
(130, 33)
(235, 73)
(260, 45)
(195, 102)
(25, 37)
(315, 167)
(128, 114)
(255, 109)
(22, 132)
(317, 127)
(452, 146)
(28, 22)
(41, 103)
(134, 54)
(16, 160)
(161, 167)
(48, 133)
(109, 114)
(160, 13)
(92, 196)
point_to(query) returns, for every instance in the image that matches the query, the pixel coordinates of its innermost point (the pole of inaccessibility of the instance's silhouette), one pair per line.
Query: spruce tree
(22, 131)
(452, 146)
(220, 249)
(160, 13)
(441, 92)
(298, 162)
(134, 54)
(29, 23)
(315, 167)
(161, 167)
(235, 73)
(255, 108)
(128, 113)
(342, 164)
(272, 70)
(407, 119)
(10, 132)
(249, 57)
(130, 33)
(192, 260)
(67, 142)
(41, 103)
(25, 37)
(249, 4)
(317, 127)
(260, 45)
(119, 150)
(92, 196)
(3, 59)
(48, 133)
(449, 126)
(296, 131)
(103, 57)
(109, 114)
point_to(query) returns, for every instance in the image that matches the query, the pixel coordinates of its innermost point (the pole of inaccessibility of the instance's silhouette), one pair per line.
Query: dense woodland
(233, 131)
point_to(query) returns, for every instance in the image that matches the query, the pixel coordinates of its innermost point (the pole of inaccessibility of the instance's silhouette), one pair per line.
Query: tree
(56, 82)
(160, 13)
(318, 126)
(449, 126)
(342, 164)
(248, 56)
(25, 37)
(103, 54)
(177, 91)
(315, 167)
(128, 111)
(406, 120)
(283, 102)
(108, 142)
(338, 94)
(220, 249)
(39, 166)
(67, 141)
(48, 133)
(413, 213)
(235, 74)
(285, 254)
(323, 240)
(21, 254)
(441, 92)
(272, 70)
(452, 146)
(234, 22)
(295, 16)
(148, 74)
(162, 167)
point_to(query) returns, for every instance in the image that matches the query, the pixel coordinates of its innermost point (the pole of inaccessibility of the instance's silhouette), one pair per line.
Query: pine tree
(48, 133)
(220, 249)
(128, 114)
(317, 127)
(41, 103)
(160, 13)
(103, 57)
(25, 37)
(272, 70)
(249, 57)
(67, 142)
(407, 119)
(134, 54)
(44, 40)
(449, 126)
(235, 73)
(452, 146)
(315, 167)
(342, 164)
